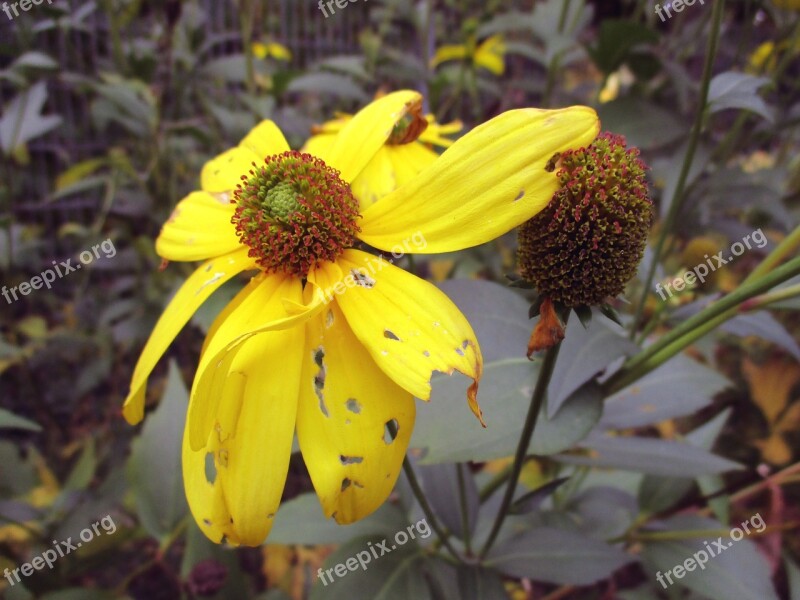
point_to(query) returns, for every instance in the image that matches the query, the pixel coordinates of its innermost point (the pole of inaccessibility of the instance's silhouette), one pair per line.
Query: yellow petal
(200, 285)
(409, 326)
(224, 172)
(488, 182)
(489, 55)
(260, 309)
(450, 52)
(367, 131)
(200, 228)
(251, 443)
(346, 402)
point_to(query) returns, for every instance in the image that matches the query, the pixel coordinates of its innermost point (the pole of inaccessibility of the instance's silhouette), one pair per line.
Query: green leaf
(616, 40)
(83, 472)
(441, 486)
(657, 494)
(22, 120)
(497, 315)
(328, 84)
(397, 575)
(649, 455)
(738, 90)
(154, 467)
(679, 387)
(739, 571)
(200, 548)
(9, 420)
(643, 124)
(793, 576)
(34, 60)
(465, 582)
(704, 437)
(602, 512)
(446, 434)
(584, 353)
(531, 501)
(556, 556)
(765, 326)
(79, 594)
(301, 521)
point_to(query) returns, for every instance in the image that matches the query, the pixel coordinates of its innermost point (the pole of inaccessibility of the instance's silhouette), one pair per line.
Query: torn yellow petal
(201, 284)
(260, 308)
(224, 172)
(409, 326)
(367, 131)
(346, 402)
(251, 441)
(488, 182)
(200, 228)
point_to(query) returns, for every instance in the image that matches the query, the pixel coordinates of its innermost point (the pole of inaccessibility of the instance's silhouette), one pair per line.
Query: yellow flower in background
(787, 4)
(327, 339)
(490, 54)
(398, 161)
(271, 49)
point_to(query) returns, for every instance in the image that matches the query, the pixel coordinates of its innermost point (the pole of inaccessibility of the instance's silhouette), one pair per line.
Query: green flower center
(293, 212)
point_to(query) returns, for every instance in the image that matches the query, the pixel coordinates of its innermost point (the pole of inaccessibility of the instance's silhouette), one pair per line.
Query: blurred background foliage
(109, 110)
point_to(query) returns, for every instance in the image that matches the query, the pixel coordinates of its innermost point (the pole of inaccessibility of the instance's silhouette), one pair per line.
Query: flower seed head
(586, 244)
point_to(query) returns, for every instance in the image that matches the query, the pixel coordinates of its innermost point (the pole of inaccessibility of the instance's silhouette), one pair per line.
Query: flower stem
(680, 188)
(697, 326)
(537, 401)
(462, 497)
(408, 469)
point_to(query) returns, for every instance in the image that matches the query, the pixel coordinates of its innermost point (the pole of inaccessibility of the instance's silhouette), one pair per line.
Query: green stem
(680, 188)
(786, 248)
(765, 300)
(408, 469)
(462, 497)
(697, 326)
(537, 401)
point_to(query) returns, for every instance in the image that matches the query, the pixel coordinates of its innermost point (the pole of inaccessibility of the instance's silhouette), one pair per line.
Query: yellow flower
(787, 4)
(490, 54)
(273, 49)
(396, 163)
(326, 338)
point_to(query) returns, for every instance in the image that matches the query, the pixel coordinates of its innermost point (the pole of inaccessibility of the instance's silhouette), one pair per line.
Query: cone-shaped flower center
(586, 244)
(293, 212)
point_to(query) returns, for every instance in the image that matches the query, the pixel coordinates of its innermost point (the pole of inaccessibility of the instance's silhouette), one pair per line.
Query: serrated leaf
(556, 556)
(154, 467)
(738, 90)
